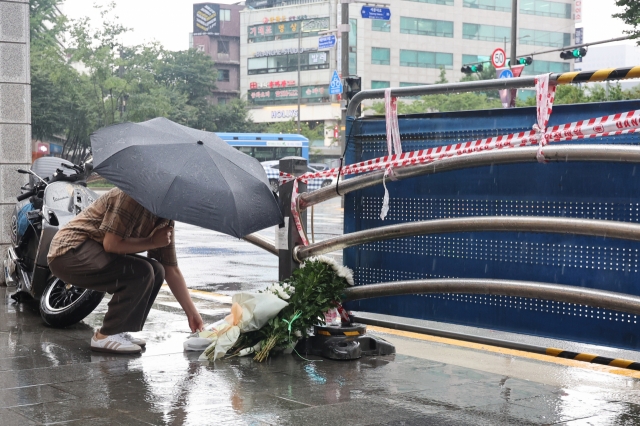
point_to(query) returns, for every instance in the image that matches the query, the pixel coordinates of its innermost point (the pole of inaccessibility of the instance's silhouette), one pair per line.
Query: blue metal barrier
(606, 191)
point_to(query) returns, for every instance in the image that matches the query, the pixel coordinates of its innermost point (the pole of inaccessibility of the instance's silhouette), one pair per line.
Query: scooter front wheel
(63, 304)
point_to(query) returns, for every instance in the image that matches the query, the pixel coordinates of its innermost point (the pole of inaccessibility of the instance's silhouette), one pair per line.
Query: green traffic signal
(527, 60)
(575, 53)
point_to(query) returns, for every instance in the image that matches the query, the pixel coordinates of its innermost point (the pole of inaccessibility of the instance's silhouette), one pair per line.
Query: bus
(268, 146)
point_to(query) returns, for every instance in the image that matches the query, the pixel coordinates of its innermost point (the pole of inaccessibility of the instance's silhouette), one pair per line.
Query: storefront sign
(206, 19)
(578, 12)
(278, 52)
(271, 84)
(284, 113)
(308, 92)
(269, 19)
(271, 31)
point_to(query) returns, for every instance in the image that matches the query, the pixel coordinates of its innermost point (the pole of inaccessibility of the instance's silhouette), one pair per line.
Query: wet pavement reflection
(219, 263)
(50, 376)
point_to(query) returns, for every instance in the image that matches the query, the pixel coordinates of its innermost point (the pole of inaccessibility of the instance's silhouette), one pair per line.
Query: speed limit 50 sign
(498, 58)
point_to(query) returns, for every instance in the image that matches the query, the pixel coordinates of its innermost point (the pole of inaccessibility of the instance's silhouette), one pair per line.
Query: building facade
(15, 110)
(224, 49)
(421, 38)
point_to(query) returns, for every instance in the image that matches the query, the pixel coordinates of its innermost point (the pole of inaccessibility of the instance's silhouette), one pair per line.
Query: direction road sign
(372, 12)
(335, 86)
(498, 58)
(326, 42)
(505, 74)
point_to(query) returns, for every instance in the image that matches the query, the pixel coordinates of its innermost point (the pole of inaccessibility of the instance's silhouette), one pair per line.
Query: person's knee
(158, 271)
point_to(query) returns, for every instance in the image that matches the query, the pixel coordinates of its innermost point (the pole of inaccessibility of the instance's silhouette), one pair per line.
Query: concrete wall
(15, 109)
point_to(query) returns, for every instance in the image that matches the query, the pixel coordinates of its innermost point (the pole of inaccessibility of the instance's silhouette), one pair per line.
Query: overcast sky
(169, 21)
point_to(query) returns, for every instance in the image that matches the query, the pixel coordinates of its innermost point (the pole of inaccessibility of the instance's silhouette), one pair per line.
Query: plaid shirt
(119, 214)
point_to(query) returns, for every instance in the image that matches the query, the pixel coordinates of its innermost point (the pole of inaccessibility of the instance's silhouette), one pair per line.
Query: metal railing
(557, 153)
(553, 225)
(497, 84)
(560, 293)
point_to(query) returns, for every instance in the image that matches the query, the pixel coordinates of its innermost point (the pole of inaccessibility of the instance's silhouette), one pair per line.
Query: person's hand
(195, 322)
(161, 237)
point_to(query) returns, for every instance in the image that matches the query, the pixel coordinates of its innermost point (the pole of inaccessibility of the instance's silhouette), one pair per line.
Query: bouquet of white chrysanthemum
(249, 312)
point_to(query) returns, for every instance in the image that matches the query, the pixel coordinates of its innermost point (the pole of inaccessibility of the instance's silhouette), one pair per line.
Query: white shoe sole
(116, 351)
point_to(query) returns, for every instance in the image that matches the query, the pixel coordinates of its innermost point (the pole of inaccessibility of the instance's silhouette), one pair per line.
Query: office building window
(353, 47)
(223, 75)
(225, 15)
(474, 59)
(544, 38)
(486, 32)
(428, 27)
(443, 2)
(421, 59)
(223, 46)
(380, 84)
(546, 8)
(499, 5)
(380, 56)
(544, 67)
(287, 63)
(380, 25)
(406, 84)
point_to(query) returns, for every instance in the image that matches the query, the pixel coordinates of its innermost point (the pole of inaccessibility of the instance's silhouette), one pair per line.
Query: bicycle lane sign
(335, 86)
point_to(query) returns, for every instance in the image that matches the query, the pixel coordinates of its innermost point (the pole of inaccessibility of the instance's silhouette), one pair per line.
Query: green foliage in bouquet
(312, 290)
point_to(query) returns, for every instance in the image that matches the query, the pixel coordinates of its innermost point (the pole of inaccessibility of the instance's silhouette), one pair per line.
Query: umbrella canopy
(187, 175)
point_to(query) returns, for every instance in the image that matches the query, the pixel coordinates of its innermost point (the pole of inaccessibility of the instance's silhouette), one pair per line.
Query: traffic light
(573, 54)
(353, 86)
(470, 69)
(527, 60)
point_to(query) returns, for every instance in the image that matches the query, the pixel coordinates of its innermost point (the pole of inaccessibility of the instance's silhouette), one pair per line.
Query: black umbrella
(187, 175)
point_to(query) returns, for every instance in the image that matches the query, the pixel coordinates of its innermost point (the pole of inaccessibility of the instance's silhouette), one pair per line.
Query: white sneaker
(135, 340)
(116, 344)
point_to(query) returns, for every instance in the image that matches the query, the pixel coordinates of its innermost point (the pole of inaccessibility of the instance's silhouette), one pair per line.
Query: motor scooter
(55, 194)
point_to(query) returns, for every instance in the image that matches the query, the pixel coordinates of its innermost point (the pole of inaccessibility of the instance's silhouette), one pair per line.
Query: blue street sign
(326, 42)
(335, 87)
(506, 74)
(372, 12)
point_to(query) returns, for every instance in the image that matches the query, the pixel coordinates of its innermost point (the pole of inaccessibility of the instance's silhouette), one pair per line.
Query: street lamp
(300, 31)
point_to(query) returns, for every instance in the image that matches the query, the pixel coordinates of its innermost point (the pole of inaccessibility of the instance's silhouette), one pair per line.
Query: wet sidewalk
(50, 376)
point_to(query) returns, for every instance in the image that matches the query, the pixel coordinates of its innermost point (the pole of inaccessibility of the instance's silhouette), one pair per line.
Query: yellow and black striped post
(599, 75)
(594, 359)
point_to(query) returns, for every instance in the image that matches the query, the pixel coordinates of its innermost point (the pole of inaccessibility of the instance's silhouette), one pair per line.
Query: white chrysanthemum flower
(279, 291)
(341, 270)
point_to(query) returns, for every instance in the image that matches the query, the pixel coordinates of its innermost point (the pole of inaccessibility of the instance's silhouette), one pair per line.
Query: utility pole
(514, 31)
(344, 53)
(299, 85)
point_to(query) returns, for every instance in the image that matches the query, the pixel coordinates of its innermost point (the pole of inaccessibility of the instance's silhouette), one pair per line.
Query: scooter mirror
(88, 167)
(23, 171)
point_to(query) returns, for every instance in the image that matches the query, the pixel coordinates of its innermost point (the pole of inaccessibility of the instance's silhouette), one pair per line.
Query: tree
(291, 126)
(442, 79)
(630, 16)
(116, 83)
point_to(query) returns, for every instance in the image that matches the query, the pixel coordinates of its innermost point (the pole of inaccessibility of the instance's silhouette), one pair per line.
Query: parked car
(319, 166)
(272, 168)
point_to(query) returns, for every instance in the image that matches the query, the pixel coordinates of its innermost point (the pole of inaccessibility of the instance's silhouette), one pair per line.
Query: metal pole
(287, 236)
(553, 225)
(557, 292)
(344, 52)
(299, 85)
(514, 31)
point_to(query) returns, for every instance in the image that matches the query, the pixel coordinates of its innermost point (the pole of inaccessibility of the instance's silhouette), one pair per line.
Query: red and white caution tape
(545, 95)
(394, 144)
